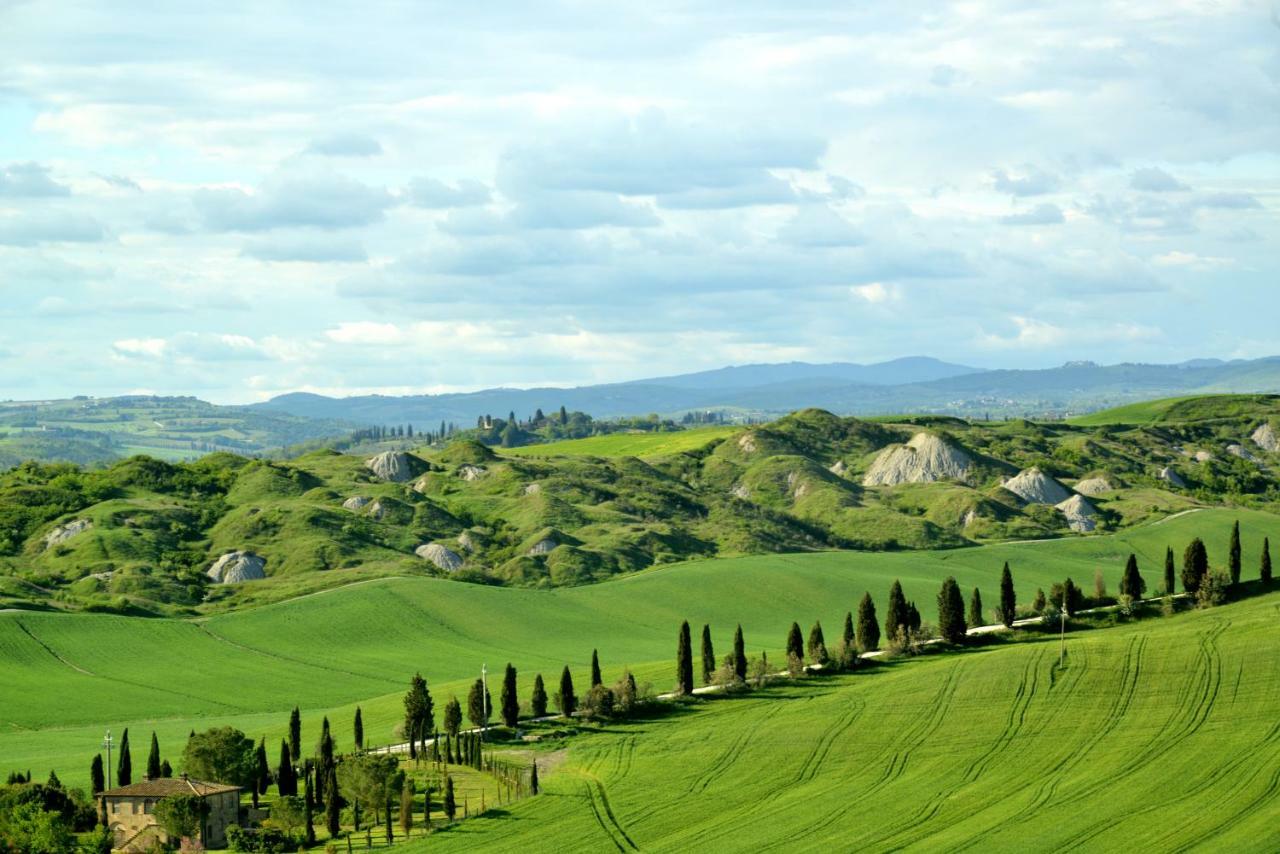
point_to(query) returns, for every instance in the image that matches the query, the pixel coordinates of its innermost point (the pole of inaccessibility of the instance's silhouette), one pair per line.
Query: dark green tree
(566, 699)
(868, 634)
(817, 645)
(595, 669)
(510, 701)
(795, 646)
(896, 616)
(684, 661)
(708, 656)
(1008, 601)
(975, 608)
(221, 755)
(166, 770)
(1264, 566)
(333, 802)
(1195, 565)
(739, 654)
(124, 763)
(419, 713)
(538, 700)
(848, 642)
(286, 778)
(1233, 554)
(97, 775)
(308, 820)
(295, 735)
(1169, 588)
(450, 804)
(913, 616)
(262, 772)
(479, 705)
(357, 728)
(452, 716)
(153, 758)
(533, 778)
(951, 623)
(1038, 601)
(1132, 583)
(181, 816)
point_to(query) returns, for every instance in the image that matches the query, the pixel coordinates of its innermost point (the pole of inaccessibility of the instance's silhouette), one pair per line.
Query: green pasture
(638, 444)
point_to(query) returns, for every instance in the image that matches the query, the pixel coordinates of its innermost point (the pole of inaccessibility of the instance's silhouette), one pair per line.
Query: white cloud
(140, 348)
(364, 332)
(876, 293)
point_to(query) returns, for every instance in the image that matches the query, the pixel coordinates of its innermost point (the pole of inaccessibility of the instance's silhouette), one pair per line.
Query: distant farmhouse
(129, 811)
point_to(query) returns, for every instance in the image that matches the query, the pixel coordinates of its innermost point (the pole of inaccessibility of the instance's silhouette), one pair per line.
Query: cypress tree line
(1169, 588)
(684, 661)
(975, 608)
(595, 670)
(951, 623)
(510, 702)
(295, 735)
(124, 764)
(739, 654)
(1264, 566)
(896, 616)
(1233, 556)
(1132, 583)
(1008, 601)
(568, 702)
(358, 730)
(153, 758)
(538, 701)
(817, 646)
(708, 655)
(868, 633)
(97, 775)
(1195, 565)
(795, 645)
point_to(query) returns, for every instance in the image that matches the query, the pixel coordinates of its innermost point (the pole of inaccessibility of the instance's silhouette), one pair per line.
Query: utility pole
(106, 743)
(484, 699)
(1062, 649)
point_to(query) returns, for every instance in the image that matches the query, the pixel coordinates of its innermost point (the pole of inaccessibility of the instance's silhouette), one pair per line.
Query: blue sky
(414, 197)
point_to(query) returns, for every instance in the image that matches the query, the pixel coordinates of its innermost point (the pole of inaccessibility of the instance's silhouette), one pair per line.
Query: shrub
(1213, 589)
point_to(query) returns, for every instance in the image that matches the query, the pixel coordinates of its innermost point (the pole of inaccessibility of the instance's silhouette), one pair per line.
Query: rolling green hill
(1161, 733)
(331, 650)
(1228, 407)
(139, 535)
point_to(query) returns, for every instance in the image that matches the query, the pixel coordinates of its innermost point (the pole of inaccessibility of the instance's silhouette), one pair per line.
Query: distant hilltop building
(129, 811)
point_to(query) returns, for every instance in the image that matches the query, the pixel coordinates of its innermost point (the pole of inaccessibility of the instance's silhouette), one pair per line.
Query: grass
(636, 444)
(69, 677)
(1162, 730)
(1190, 408)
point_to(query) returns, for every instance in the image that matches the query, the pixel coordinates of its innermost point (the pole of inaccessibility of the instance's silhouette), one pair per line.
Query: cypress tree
(1132, 583)
(166, 770)
(708, 655)
(533, 778)
(295, 735)
(1264, 567)
(739, 654)
(1195, 565)
(896, 616)
(538, 702)
(419, 713)
(452, 716)
(913, 616)
(124, 764)
(479, 704)
(684, 661)
(868, 633)
(1008, 601)
(817, 646)
(595, 670)
(153, 758)
(306, 800)
(332, 806)
(358, 730)
(97, 776)
(795, 644)
(450, 805)
(1071, 596)
(975, 608)
(1169, 588)
(262, 772)
(1038, 603)
(848, 641)
(407, 792)
(568, 702)
(951, 623)
(286, 779)
(1233, 556)
(510, 702)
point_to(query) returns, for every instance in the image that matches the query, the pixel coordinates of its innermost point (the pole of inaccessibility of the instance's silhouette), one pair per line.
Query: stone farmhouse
(129, 811)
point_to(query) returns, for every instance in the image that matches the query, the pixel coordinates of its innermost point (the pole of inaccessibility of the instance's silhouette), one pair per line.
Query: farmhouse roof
(164, 787)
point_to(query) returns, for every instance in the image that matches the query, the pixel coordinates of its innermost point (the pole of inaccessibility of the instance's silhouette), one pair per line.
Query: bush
(1213, 589)
(266, 841)
(598, 703)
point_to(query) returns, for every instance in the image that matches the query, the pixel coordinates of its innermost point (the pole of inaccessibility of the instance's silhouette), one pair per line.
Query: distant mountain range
(909, 385)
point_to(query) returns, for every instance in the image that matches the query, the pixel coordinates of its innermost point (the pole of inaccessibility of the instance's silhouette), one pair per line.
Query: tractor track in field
(26, 631)
(917, 735)
(279, 657)
(721, 764)
(1267, 794)
(1202, 690)
(813, 762)
(604, 816)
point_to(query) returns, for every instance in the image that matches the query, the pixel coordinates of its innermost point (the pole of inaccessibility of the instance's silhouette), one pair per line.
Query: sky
(257, 198)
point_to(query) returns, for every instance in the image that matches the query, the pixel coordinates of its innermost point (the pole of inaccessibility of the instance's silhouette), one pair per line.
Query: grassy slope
(1189, 408)
(1162, 731)
(627, 444)
(328, 651)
